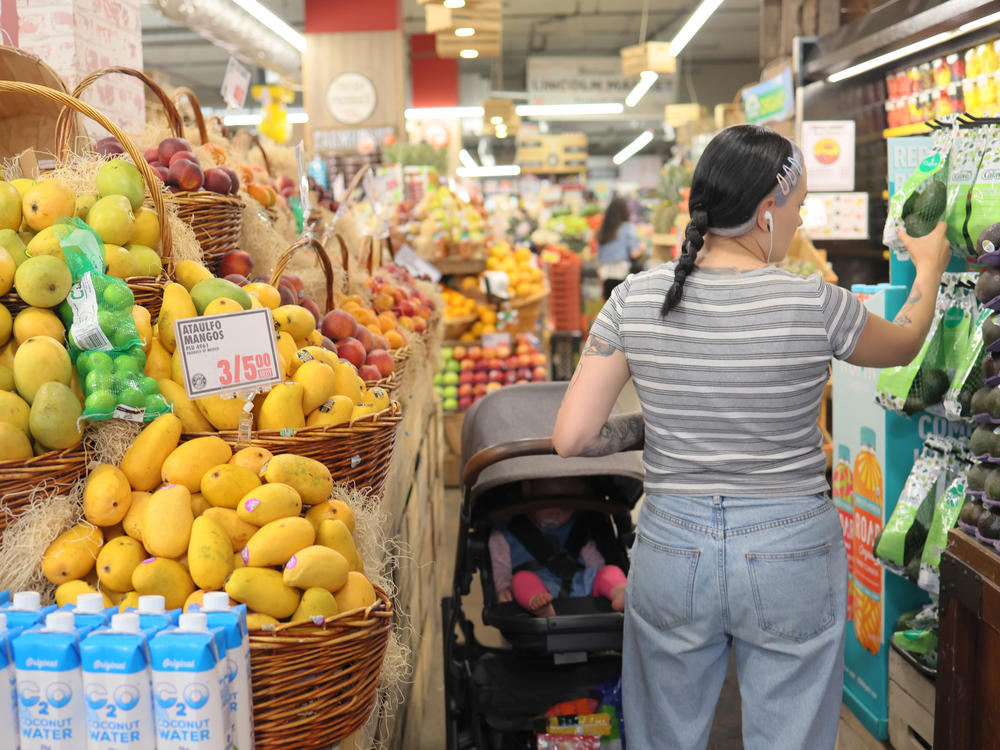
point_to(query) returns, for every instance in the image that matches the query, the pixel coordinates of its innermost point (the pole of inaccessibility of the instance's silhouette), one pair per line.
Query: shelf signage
(770, 100)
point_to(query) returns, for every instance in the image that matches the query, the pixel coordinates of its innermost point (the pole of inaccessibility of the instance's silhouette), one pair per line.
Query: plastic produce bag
(945, 518)
(984, 195)
(923, 200)
(966, 152)
(115, 386)
(916, 632)
(968, 377)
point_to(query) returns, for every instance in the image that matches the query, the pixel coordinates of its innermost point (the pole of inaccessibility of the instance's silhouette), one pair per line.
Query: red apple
(189, 155)
(540, 373)
(381, 359)
(369, 373)
(236, 261)
(152, 154)
(511, 363)
(481, 377)
(218, 181)
(352, 350)
(525, 373)
(493, 386)
(475, 352)
(521, 382)
(404, 307)
(467, 364)
(237, 278)
(495, 375)
(503, 351)
(464, 389)
(363, 335)
(481, 365)
(185, 174)
(170, 146)
(312, 307)
(460, 353)
(488, 352)
(464, 403)
(479, 390)
(337, 325)
(466, 377)
(511, 378)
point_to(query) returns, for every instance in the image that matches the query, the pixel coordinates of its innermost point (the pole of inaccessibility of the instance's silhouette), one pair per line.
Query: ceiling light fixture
(646, 80)
(496, 120)
(500, 170)
(910, 49)
(274, 23)
(469, 54)
(556, 110)
(466, 158)
(693, 25)
(465, 31)
(430, 113)
(238, 119)
(641, 141)
(454, 3)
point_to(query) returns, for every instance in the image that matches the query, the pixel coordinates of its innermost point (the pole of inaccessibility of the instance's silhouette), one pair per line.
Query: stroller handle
(501, 452)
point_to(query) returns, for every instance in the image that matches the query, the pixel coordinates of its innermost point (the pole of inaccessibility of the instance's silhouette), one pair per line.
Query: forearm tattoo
(594, 347)
(623, 432)
(903, 318)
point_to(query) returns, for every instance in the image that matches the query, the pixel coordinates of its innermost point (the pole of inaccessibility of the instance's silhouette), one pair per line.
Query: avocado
(931, 202)
(971, 512)
(977, 475)
(992, 485)
(981, 441)
(917, 226)
(991, 367)
(993, 403)
(965, 402)
(936, 383)
(979, 402)
(988, 284)
(989, 524)
(914, 403)
(991, 330)
(989, 240)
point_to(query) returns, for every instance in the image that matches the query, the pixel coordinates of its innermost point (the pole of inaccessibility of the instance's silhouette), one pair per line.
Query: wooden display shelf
(460, 266)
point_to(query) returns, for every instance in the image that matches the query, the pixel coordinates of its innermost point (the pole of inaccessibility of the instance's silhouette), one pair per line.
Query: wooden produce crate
(453, 422)
(911, 705)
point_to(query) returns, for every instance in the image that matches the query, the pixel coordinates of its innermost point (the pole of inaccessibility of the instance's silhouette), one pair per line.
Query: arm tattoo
(594, 347)
(903, 318)
(621, 432)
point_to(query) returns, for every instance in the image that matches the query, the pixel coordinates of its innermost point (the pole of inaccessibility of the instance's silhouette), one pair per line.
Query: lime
(100, 280)
(123, 335)
(132, 397)
(66, 313)
(137, 352)
(149, 386)
(98, 380)
(108, 320)
(117, 296)
(101, 361)
(156, 404)
(126, 364)
(100, 402)
(83, 361)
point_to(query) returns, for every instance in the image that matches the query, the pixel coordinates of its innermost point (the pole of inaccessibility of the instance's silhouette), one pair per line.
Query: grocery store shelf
(917, 128)
(460, 266)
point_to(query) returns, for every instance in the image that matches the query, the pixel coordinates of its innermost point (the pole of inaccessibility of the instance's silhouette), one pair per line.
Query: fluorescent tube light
(469, 54)
(980, 23)
(465, 31)
(496, 120)
(297, 118)
(556, 110)
(466, 158)
(889, 57)
(274, 23)
(237, 120)
(633, 148)
(454, 3)
(501, 170)
(646, 80)
(693, 25)
(428, 113)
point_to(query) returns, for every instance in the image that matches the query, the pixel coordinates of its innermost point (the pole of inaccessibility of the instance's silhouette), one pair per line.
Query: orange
(395, 339)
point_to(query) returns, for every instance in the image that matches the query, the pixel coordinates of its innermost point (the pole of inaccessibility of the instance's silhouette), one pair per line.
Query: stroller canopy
(529, 411)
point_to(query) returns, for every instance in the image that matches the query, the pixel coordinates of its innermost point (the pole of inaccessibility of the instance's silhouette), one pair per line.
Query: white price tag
(235, 84)
(407, 257)
(300, 162)
(234, 352)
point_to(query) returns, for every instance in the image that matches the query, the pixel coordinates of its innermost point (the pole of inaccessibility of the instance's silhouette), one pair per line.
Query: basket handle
(152, 181)
(324, 260)
(355, 182)
(63, 124)
(199, 117)
(267, 162)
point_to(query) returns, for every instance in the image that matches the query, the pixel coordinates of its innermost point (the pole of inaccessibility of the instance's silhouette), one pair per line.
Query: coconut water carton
(188, 699)
(25, 610)
(88, 613)
(9, 739)
(233, 620)
(116, 683)
(4, 598)
(154, 615)
(51, 706)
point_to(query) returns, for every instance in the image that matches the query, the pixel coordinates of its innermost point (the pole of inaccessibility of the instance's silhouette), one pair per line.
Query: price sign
(235, 84)
(300, 162)
(230, 353)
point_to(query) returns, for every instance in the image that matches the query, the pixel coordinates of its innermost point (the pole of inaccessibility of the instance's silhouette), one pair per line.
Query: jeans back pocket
(793, 591)
(661, 583)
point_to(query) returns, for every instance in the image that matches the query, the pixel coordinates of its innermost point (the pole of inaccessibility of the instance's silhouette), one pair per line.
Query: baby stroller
(493, 695)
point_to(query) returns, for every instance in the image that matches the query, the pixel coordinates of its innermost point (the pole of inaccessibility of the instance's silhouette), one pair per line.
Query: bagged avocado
(984, 195)
(945, 518)
(968, 377)
(923, 199)
(963, 165)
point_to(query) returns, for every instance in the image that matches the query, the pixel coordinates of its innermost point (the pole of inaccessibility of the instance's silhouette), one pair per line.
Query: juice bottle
(868, 511)
(843, 498)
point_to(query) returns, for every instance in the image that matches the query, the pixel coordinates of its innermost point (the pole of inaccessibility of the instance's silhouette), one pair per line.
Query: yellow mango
(197, 597)
(188, 462)
(146, 229)
(277, 541)
(331, 509)
(134, 518)
(336, 410)
(238, 530)
(192, 420)
(199, 504)
(315, 602)
(317, 381)
(226, 484)
(164, 577)
(177, 304)
(287, 349)
(14, 410)
(115, 597)
(66, 593)
(357, 593)
(210, 554)
(282, 408)
(362, 410)
(347, 382)
(222, 413)
(117, 560)
(379, 399)
(319, 353)
(115, 530)
(144, 325)
(190, 272)
(316, 565)
(130, 601)
(176, 368)
(73, 553)
(37, 321)
(223, 305)
(106, 496)
(269, 502)
(252, 458)
(260, 621)
(333, 533)
(294, 320)
(157, 360)
(263, 591)
(310, 478)
(238, 561)
(143, 461)
(166, 527)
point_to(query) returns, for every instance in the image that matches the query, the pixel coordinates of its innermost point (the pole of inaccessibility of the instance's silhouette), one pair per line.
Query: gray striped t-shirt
(731, 380)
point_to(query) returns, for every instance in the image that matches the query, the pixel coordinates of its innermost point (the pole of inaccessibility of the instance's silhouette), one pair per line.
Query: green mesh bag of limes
(104, 342)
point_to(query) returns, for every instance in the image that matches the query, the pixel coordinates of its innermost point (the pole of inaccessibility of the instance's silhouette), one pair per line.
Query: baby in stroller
(549, 553)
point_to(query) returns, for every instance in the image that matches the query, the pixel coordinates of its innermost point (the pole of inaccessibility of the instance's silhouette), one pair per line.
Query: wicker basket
(401, 356)
(148, 291)
(356, 452)
(313, 686)
(55, 470)
(455, 327)
(26, 121)
(529, 312)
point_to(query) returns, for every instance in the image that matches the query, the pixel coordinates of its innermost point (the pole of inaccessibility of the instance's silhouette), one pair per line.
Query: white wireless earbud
(770, 221)
(770, 231)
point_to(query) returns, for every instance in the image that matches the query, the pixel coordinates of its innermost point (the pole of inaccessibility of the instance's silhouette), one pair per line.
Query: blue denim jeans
(767, 578)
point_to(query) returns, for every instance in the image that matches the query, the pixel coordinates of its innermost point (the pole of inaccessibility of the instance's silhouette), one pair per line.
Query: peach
(234, 179)
(387, 322)
(337, 325)
(161, 172)
(296, 284)
(312, 307)
(218, 181)
(395, 339)
(369, 373)
(365, 337)
(189, 155)
(379, 341)
(352, 350)
(419, 325)
(381, 359)
(170, 146)
(236, 261)
(407, 323)
(185, 174)
(151, 155)
(383, 302)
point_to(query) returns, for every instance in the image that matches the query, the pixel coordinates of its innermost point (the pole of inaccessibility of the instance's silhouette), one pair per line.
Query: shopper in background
(617, 245)
(738, 544)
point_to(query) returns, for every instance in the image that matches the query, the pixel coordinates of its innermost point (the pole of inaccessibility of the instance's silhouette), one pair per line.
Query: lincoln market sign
(578, 80)
(772, 100)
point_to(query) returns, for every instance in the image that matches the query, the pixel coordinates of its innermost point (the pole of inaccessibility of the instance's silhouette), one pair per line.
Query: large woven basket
(529, 312)
(55, 470)
(355, 452)
(148, 291)
(315, 685)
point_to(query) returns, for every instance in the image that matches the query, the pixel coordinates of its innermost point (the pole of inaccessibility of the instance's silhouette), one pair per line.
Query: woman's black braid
(694, 238)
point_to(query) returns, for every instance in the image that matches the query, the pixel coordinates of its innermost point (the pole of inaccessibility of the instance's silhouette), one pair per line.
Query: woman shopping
(617, 245)
(738, 546)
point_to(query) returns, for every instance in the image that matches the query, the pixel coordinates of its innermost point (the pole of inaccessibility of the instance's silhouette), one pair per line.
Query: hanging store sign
(828, 150)
(771, 100)
(351, 98)
(580, 80)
